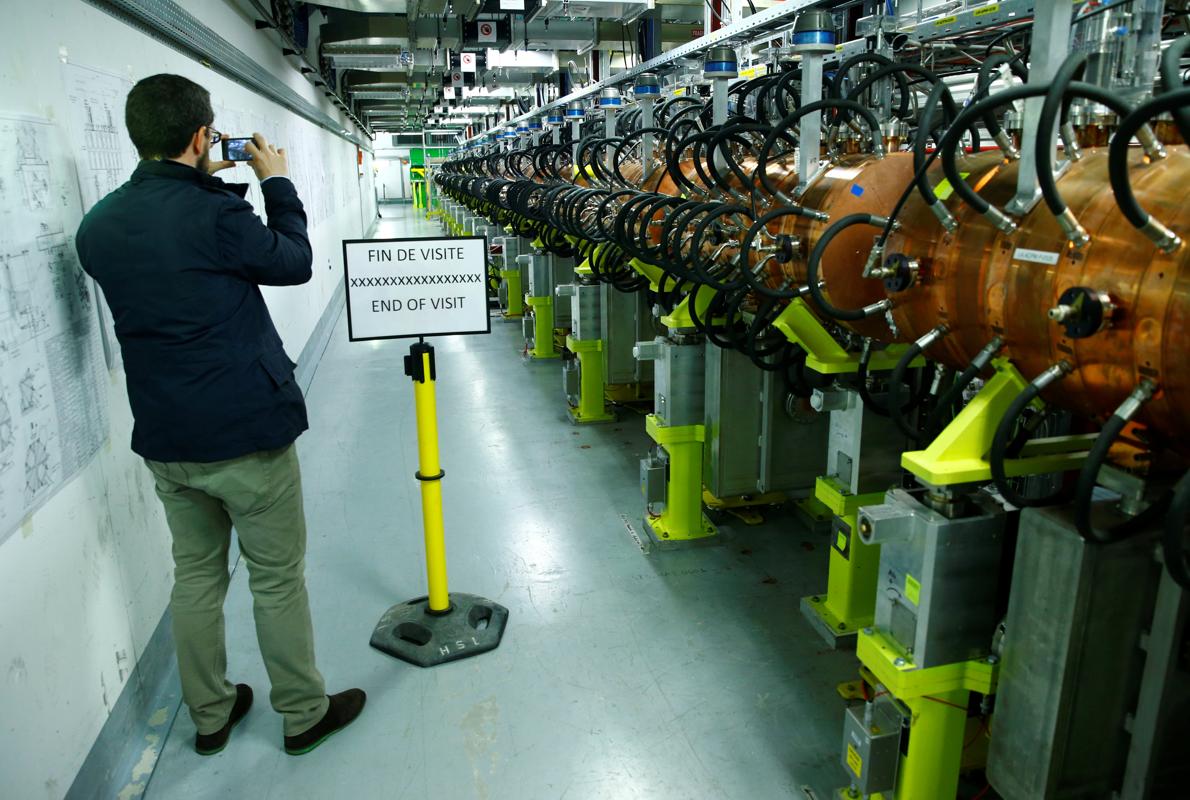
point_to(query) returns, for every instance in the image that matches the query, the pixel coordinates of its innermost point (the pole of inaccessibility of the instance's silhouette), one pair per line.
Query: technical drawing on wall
(7, 434)
(105, 158)
(32, 393)
(38, 468)
(53, 394)
(322, 193)
(104, 155)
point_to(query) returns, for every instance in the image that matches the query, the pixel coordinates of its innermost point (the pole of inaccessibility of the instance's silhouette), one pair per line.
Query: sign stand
(440, 627)
(404, 288)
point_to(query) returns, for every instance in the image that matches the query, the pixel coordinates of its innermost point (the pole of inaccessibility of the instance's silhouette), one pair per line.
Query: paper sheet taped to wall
(53, 394)
(103, 156)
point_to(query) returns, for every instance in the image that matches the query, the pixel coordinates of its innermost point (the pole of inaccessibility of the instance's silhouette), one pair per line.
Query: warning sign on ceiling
(467, 62)
(399, 288)
(487, 32)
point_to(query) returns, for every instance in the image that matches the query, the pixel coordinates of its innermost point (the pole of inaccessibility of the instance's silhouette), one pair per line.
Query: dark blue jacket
(180, 255)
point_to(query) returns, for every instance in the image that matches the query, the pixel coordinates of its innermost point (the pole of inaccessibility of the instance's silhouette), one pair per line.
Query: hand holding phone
(267, 161)
(235, 149)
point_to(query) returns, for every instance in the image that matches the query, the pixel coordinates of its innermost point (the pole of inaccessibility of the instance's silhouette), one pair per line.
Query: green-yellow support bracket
(895, 670)
(591, 407)
(516, 297)
(543, 328)
(850, 600)
(680, 317)
(835, 496)
(959, 454)
(654, 274)
(584, 268)
(823, 354)
(682, 519)
(664, 434)
(937, 699)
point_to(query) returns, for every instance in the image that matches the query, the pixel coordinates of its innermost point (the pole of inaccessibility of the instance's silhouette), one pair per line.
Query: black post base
(411, 633)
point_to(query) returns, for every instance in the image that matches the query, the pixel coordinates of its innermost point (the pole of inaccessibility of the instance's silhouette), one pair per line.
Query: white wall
(85, 581)
(392, 174)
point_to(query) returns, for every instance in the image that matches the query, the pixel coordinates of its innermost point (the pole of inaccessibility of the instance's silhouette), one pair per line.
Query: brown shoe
(344, 708)
(211, 743)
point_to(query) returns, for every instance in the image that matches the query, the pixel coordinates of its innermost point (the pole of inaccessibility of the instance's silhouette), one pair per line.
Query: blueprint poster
(53, 395)
(104, 157)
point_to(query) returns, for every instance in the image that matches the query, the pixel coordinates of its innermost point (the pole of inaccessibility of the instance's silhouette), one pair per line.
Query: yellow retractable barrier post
(430, 475)
(441, 626)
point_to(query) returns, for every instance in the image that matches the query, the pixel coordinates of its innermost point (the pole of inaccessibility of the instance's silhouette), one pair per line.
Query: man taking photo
(180, 257)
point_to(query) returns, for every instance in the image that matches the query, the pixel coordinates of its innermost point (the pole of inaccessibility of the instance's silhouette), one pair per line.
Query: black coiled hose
(1006, 434)
(1117, 167)
(812, 268)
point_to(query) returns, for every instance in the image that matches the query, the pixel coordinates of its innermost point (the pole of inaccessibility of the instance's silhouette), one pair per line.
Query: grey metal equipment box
(679, 371)
(544, 273)
(938, 576)
(561, 272)
(793, 440)
(753, 444)
(864, 451)
(528, 330)
(653, 469)
(584, 312)
(536, 272)
(625, 320)
(1077, 615)
(510, 248)
(872, 746)
(571, 381)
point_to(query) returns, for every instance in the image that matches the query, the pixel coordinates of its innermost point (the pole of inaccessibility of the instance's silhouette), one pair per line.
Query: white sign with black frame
(401, 288)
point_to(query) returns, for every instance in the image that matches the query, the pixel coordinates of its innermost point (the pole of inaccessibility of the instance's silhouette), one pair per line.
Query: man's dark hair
(163, 112)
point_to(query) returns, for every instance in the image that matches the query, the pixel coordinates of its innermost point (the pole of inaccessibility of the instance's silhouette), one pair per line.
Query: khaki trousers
(261, 495)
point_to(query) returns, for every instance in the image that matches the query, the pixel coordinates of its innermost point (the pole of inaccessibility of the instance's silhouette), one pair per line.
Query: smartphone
(233, 149)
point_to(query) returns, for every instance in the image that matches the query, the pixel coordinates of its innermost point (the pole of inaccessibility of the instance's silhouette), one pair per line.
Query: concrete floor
(680, 674)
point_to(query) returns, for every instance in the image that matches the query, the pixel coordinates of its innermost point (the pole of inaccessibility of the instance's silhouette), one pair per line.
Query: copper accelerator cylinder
(632, 172)
(857, 184)
(981, 283)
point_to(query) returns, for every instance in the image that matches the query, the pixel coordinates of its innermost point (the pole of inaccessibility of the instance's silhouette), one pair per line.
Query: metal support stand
(647, 91)
(515, 293)
(719, 101)
(591, 408)
(682, 519)
(850, 600)
(516, 297)
(937, 700)
(810, 128)
(440, 627)
(609, 130)
(541, 311)
(1049, 47)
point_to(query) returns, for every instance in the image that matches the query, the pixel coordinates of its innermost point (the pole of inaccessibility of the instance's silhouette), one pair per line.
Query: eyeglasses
(215, 135)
